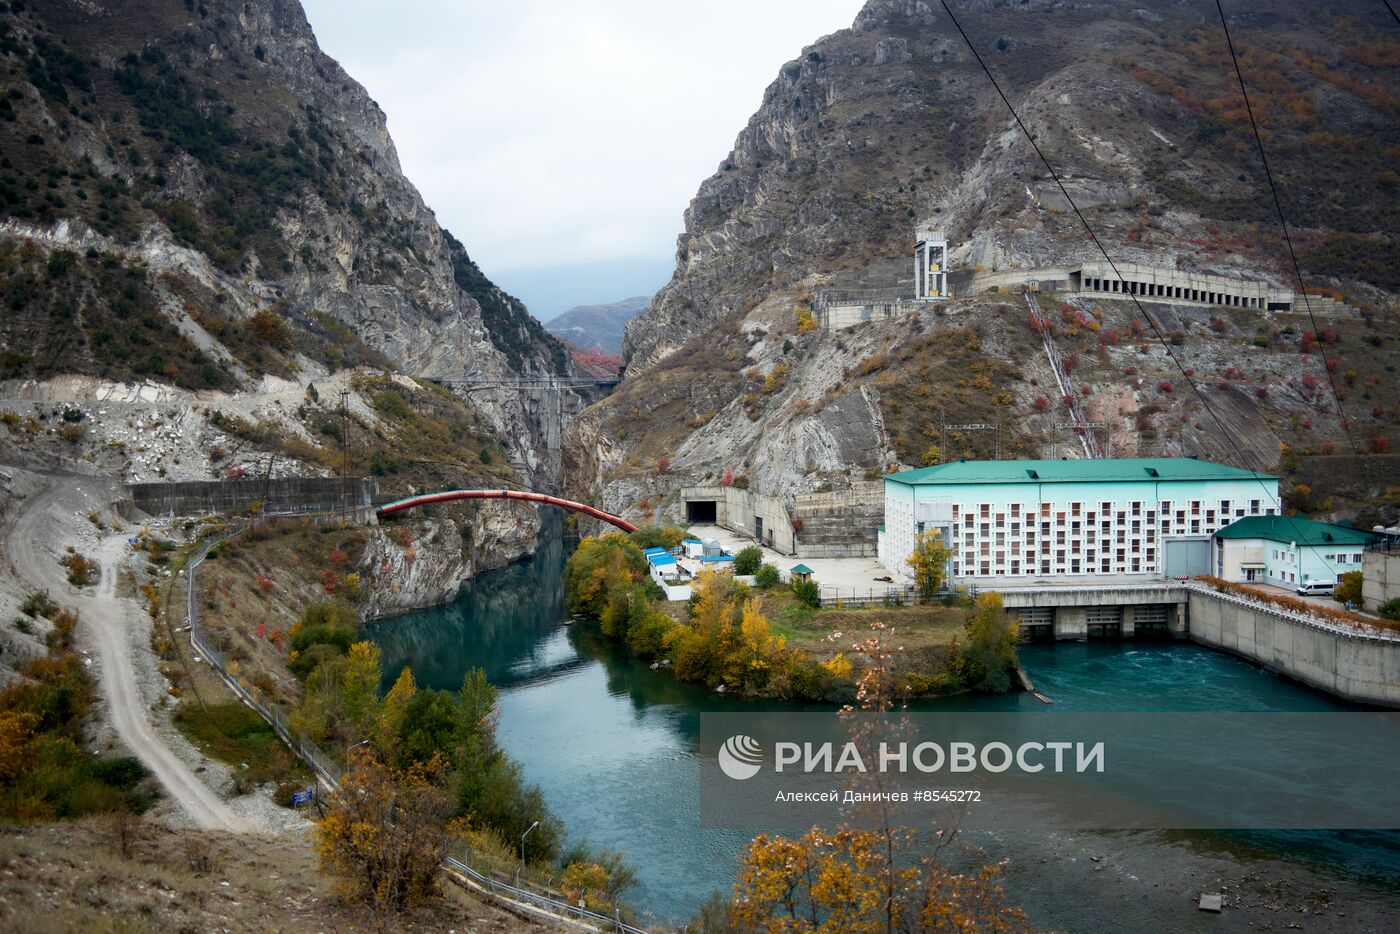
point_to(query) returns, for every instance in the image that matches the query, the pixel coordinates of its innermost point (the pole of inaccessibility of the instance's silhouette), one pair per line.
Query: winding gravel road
(107, 623)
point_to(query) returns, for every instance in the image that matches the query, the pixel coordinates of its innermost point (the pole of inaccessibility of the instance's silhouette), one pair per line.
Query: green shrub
(658, 536)
(38, 604)
(390, 404)
(808, 593)
(1390, 609)
(748, 560)
(766, 576)
(332, 634)
(647, 636)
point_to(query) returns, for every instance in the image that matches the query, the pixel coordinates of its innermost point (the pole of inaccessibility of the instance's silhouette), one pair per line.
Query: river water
(612, 744)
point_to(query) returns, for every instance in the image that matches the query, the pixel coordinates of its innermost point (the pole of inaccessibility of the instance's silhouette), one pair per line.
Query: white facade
(1024, 527)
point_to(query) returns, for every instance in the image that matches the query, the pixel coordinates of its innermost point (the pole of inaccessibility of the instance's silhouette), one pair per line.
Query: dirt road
(107, 623)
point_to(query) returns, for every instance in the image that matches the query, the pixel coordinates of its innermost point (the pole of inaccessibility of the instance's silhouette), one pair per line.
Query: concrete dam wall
(1358, 667)
(286, 496)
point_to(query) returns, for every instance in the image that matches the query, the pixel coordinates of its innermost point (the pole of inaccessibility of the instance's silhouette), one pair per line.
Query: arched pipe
(388, 509)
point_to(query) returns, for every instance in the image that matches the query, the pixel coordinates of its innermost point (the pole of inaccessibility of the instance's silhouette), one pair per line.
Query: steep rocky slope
(892, 122)
(196, 196)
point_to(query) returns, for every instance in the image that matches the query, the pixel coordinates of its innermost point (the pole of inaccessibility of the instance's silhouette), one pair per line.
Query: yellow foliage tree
(930, 563)
(586, 883)
(359, 688)
(386, 834)
(389, 722)
(825, 883)
(16, 730)
(839, 665)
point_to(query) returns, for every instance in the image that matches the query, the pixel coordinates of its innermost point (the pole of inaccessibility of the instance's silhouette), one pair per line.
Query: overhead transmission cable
(1287, 239)
(1225, 433)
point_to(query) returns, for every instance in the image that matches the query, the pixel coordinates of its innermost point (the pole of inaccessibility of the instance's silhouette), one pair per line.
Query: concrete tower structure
(930, 265)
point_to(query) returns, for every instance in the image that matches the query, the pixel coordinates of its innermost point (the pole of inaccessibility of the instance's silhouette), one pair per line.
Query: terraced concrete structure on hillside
(842, 308)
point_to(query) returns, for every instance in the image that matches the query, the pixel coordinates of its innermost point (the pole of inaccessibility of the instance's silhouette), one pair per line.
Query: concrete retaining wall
(868, 493)
(836, 550)
(735, 510)
(287, 496)
(1355, 667)
(1380, 578)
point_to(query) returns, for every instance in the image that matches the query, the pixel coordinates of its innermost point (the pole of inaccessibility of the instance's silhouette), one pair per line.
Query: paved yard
(854, 575)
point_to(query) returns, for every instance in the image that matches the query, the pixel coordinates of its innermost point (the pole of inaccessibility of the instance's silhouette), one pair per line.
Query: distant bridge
(388, 509)
(528, 382)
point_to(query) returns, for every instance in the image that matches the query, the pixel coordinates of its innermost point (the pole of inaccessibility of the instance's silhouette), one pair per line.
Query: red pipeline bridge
(388, 509)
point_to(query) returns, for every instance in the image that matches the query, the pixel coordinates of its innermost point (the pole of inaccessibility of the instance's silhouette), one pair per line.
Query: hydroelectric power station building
(1152, 517)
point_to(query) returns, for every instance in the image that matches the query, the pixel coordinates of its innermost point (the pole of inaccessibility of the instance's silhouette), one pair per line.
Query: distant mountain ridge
(598, 327)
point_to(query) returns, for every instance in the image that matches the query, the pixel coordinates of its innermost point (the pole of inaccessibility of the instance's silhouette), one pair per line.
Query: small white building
(1287, 551)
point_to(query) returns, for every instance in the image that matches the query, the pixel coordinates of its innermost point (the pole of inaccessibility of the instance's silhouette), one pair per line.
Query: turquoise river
(612, 744)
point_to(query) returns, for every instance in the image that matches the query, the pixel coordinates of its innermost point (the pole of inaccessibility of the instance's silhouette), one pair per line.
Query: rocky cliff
(892, 122)
(195, 195)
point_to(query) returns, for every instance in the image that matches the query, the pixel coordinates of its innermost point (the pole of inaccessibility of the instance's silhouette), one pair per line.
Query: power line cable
(1392, 11)
(1225, 433)
(1278, 206)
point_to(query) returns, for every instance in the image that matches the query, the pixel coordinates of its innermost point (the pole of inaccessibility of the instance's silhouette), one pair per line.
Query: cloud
(544, 132)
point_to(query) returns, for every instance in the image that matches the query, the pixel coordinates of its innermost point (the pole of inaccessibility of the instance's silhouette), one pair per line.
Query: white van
(1317, 588)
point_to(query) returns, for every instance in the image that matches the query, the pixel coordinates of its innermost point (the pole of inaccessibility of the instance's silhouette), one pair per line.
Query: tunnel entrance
(702, 512)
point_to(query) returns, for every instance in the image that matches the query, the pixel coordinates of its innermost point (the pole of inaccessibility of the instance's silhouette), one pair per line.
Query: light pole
(521, 877)
(350, 749)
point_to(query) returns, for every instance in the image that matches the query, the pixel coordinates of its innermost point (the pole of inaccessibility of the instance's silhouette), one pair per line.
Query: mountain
(893, 123)
(549, 291)
(194, 194)
(597, 327)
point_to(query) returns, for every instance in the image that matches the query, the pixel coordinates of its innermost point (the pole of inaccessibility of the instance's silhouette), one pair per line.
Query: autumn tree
(990, 653)
(600, 567)
(1349, 588)
(872, 878)
(359, 691)
(388, 720)
(598, 878)
(386, 834)
(930, 563)
(835, 882)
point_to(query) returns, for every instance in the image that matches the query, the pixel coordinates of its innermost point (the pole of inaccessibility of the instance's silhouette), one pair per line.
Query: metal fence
(827, 297)
(1387, 543)
(308, 751)
(329, 772)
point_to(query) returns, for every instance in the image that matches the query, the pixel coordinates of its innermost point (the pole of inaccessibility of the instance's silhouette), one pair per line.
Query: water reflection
(612, 743)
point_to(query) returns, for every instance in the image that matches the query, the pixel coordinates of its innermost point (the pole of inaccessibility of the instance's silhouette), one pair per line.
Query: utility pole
(345, 450)
(977, 426)
(1055, 427)
(267, 483)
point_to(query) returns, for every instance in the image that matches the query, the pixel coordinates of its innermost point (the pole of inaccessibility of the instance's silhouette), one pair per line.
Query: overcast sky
(544, 132)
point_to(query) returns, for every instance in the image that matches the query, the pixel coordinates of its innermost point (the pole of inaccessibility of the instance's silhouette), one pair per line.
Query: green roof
(802, 569)
(1111, 470)
(1294, 529)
